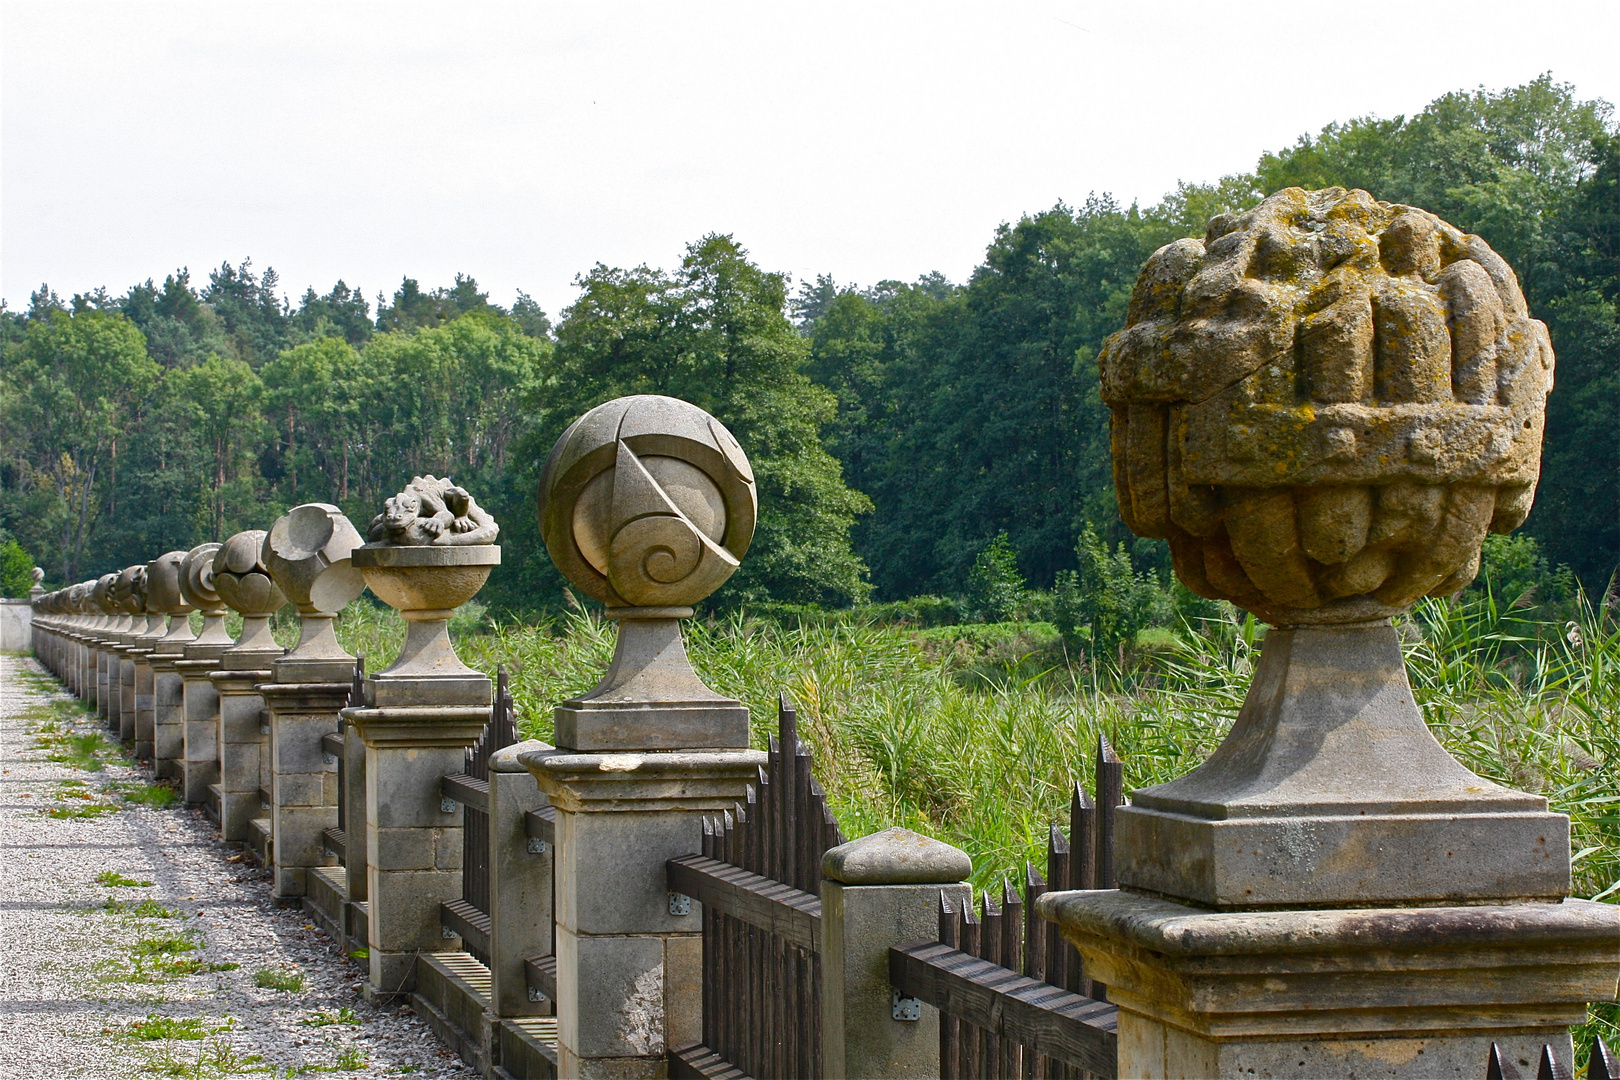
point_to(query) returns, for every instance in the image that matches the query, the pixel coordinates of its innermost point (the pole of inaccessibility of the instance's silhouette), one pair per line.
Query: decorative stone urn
(1323, 406)
(197, 586)
(648, 504)
(430, 551)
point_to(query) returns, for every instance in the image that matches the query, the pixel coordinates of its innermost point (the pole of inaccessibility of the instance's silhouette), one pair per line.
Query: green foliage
(1107, 601)
(16, 570)
(112, 878)
(278, 979)
(995, 588)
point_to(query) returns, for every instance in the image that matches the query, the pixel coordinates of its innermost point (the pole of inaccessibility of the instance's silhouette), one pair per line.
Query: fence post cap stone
(506, 758)
(896, 856)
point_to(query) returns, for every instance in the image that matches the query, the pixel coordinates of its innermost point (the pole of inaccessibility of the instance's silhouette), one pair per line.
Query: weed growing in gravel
(82, 810)
(271, 979)
(151, 909)
(156, 1027)
(215, 1060)
(112, 879)
(165, 945)
(157, 796)
(344, 1015)
(361, 954)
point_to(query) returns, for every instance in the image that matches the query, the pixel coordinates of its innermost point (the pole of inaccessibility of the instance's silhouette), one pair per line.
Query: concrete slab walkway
(133, 944)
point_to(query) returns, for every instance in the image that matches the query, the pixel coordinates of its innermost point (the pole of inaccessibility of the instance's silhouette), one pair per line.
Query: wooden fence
(1014, 998)
(468, 917)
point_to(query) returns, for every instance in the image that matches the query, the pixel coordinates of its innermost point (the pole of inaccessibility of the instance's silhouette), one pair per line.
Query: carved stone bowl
(426, 583)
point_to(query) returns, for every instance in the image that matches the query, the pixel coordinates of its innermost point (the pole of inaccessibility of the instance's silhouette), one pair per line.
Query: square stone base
(1378, 992)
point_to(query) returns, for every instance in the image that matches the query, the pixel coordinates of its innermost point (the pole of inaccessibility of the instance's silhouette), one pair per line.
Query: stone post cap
(307, 552)
(165, 594)
(197, 578)
(647, 501)
(240, 577)
(506, 758)
(1324, 404)
(896, 856)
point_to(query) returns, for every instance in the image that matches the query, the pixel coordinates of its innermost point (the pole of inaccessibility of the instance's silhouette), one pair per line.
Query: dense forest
(910, 437)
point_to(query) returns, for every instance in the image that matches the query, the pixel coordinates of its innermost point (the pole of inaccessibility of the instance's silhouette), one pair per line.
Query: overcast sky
(521, 143)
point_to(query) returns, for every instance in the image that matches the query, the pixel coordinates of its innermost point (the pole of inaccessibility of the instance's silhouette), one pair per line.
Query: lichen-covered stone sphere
(1325, 404)
(647, 501)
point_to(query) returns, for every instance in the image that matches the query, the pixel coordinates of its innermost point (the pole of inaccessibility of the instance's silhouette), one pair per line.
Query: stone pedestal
(168, 716)
(520, 885)
(629, 973)
(199, 760)
(242, 761)
(303, 788)
(1331, 894)
(1409, 992)
(412, 840)
(126, 690)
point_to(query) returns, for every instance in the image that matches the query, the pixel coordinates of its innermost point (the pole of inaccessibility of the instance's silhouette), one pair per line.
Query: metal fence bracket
(905, 1009)
(680, 904)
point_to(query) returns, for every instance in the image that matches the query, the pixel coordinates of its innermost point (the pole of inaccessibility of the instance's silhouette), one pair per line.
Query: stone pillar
(520, 912)
(240, 578)
(131, 594)
(430, 552)
(647, 504)
(168, 685)
(139, 653)
(307, 552)
(878, 891)
(1331, 894)
(199, 764)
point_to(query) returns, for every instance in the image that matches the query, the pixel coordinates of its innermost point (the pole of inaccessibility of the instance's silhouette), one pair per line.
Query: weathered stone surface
(426, 584)
(895, 856)
(1413, 993)
(1325, 404)
(1331, 790)
(647, 501)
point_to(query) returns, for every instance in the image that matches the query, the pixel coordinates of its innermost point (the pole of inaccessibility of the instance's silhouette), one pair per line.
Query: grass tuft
(113, 879)
(277, 979)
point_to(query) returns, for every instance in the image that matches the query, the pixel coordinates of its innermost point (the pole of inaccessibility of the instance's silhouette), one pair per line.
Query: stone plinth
(168, 715)
(1411, 993)
(520, 885)
(1330, 790)
(412, 841)
(629, 973)
(651, 699)
(303, 788)
(243, 746)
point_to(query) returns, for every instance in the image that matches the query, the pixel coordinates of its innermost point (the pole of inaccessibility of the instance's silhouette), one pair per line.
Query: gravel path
(160, 976)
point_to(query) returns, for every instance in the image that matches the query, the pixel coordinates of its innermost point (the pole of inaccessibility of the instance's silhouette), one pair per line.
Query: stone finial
(197, 585)
(647, 501)
(432, 512)
(163, 584)
(1325, 404)
(307, 553)
(241, 578)
(430, 552)
(101, 594)
(896, 856)
(128, 591)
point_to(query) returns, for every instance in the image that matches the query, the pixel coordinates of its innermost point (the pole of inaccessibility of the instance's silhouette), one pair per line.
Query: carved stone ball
(240, 576)
(647, 501)
(307, 552)
(1325, 404)
(163, 584)
(197, 578)
(129, 593)
(101, 595)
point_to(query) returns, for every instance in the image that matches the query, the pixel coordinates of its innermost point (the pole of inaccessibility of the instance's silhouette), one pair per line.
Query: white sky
(521, 143)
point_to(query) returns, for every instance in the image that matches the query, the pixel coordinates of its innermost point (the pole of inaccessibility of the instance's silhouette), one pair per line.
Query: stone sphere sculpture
(647, 501)
(197, 579)
(163, 584)
(241, 579)
(307, 551)
(128, 590)
(1324, 405)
